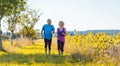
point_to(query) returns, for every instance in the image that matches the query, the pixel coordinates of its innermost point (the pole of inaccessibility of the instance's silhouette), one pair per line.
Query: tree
(8, 7)
(28, 19)
(12, 22)
(29, 32)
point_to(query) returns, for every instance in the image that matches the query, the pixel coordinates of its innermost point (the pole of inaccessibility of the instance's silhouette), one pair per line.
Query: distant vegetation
(112, 32)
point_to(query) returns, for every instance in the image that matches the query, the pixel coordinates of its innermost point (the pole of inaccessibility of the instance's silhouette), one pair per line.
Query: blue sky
(79, 14)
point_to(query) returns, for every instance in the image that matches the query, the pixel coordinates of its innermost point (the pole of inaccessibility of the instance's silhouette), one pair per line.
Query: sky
(79, 14)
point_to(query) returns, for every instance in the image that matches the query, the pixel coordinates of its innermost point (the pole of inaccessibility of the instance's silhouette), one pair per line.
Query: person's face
(49, 22)
(60, 24)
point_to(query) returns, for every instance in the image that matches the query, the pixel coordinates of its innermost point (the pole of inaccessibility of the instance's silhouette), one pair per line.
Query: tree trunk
(12, 39)
(0, 35)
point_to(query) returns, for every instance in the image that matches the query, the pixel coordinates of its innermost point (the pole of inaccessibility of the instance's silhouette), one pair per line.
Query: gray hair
(62, 22)
(48, 20)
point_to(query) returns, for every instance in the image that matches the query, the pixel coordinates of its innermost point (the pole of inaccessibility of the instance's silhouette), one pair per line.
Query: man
(48, 31)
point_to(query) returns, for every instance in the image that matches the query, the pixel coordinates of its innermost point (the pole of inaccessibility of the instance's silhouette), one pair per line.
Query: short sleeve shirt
(48, 31)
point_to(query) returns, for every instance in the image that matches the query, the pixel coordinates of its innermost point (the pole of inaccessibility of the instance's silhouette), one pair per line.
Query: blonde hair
(62, 22)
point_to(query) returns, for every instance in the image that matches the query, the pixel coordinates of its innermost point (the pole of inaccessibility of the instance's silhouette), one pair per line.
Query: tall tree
(8, 7)
(29, 17)
(28, 20)
(12, 22)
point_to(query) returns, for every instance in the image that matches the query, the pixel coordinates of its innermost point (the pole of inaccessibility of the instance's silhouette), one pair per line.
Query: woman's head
(61, 23)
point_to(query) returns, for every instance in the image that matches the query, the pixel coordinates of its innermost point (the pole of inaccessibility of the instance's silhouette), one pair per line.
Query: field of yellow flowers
(99, 49)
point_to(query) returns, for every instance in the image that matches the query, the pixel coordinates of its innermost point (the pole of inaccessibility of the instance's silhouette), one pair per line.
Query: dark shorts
(60, 45)
(48, 43)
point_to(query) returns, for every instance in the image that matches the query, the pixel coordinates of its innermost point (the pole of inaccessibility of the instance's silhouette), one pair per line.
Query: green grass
(33, 55)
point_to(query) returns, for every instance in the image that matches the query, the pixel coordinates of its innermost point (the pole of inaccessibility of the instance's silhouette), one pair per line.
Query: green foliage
(27, 20)
(29, 32)
(29, 17)
(8, 7)
(12, 22)
(14, 8)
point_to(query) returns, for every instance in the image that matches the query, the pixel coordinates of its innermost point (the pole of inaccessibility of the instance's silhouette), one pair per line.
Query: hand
(52, 32)
(63, 33)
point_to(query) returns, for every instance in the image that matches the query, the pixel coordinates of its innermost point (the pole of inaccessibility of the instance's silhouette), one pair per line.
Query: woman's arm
(57, 32)
(65, 32)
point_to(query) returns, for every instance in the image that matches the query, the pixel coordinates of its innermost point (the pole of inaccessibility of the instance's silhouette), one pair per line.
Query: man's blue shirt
(48, 31)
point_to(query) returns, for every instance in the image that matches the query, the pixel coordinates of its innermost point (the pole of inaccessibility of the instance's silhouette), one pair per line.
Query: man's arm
(53, 31)
(42, 32)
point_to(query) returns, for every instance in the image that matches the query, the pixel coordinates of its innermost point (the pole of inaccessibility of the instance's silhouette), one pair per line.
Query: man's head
(49, 21)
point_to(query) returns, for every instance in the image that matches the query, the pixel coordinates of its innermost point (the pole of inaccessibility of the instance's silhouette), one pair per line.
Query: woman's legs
(60, 47)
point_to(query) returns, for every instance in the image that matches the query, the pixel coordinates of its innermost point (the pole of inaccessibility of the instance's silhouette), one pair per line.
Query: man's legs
(45, 41)
(49, 45)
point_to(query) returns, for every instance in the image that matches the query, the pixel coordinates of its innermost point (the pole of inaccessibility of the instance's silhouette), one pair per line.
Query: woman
(61, 32)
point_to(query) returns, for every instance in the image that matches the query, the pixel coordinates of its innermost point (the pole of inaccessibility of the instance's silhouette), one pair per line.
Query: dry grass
(22, 42)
